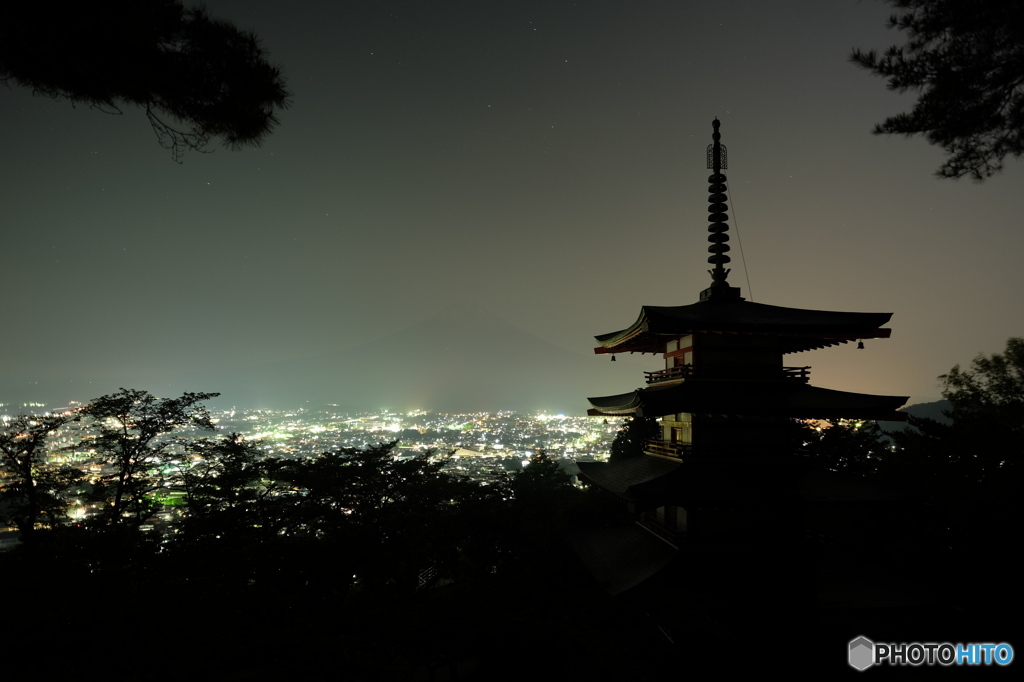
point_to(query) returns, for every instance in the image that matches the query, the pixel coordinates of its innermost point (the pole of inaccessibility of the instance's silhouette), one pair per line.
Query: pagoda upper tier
(724, 355)
(796, 329)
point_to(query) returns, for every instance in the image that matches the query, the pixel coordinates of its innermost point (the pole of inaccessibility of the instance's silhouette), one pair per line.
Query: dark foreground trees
(970, 471)
(31, 490)
(363, 563)
(196, 77)
(966, 59)
(991, 392)
(400, 519)
(852, 447)
(980, 453)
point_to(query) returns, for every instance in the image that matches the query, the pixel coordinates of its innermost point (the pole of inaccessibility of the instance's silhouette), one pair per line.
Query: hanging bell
(860, 345)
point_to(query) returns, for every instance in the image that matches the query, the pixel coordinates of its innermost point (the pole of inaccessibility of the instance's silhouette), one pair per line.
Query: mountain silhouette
(464, 359)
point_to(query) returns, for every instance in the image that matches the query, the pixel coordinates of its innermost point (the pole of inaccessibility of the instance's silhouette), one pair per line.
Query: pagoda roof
(620, 555)
(798, 329)
(619, 476)
(751, 398)
(649, 482)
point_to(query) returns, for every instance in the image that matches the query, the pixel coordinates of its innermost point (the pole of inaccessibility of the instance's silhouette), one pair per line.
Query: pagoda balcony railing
(664, 448)
(682, 372)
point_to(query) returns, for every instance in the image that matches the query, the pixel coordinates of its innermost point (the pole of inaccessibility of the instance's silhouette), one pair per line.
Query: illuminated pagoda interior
(724, 466)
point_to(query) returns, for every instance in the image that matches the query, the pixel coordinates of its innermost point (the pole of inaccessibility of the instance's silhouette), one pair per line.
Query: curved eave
(754, 399)
(623, 336)
(807, 329)
(726, 315)
(621, 405)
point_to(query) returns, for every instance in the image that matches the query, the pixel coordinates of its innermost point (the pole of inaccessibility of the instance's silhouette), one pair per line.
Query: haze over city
(462, 195)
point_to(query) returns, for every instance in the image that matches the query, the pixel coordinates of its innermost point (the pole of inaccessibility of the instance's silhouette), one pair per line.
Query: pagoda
(725, 464)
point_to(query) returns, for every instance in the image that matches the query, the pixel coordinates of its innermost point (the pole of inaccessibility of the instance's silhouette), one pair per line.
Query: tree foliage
(966, 59)
(387, 522)
(629, 441)
(979, 454)
(992, 389)
(196, 77)
(539, 496)
(984, 445)
(336, 553)
(227, 488)
(31, 489)
(848, 446)
(129, 436)
(971, 468)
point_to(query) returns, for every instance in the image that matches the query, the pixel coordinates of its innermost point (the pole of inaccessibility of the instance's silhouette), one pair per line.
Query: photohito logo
(863, 653)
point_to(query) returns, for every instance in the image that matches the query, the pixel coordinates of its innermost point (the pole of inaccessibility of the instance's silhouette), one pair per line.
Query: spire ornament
(717, 216)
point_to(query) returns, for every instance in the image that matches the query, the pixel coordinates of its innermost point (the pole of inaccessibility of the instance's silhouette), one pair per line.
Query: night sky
(543, 161)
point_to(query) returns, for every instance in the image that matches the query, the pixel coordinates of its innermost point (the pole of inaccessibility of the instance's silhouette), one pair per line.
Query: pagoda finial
(717, 216)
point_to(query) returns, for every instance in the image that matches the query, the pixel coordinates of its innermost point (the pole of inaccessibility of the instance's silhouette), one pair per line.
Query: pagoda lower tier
(749, 399)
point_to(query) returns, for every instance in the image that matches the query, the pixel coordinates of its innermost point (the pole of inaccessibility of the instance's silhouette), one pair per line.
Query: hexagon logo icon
(862, 653)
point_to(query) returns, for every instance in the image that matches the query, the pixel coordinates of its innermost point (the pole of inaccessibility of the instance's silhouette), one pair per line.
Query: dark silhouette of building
(722, 504)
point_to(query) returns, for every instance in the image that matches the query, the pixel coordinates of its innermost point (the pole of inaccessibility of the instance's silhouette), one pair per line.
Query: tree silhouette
(129, 437)
(31, 488)
(629, 441)
(397, 519)
(971, 469)
(991, 389)
(967, 61)
(539, 500)
(978, 454)
(196, 78)
(849, 446)
(336, 553)
(988, 420)
(228, 490)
